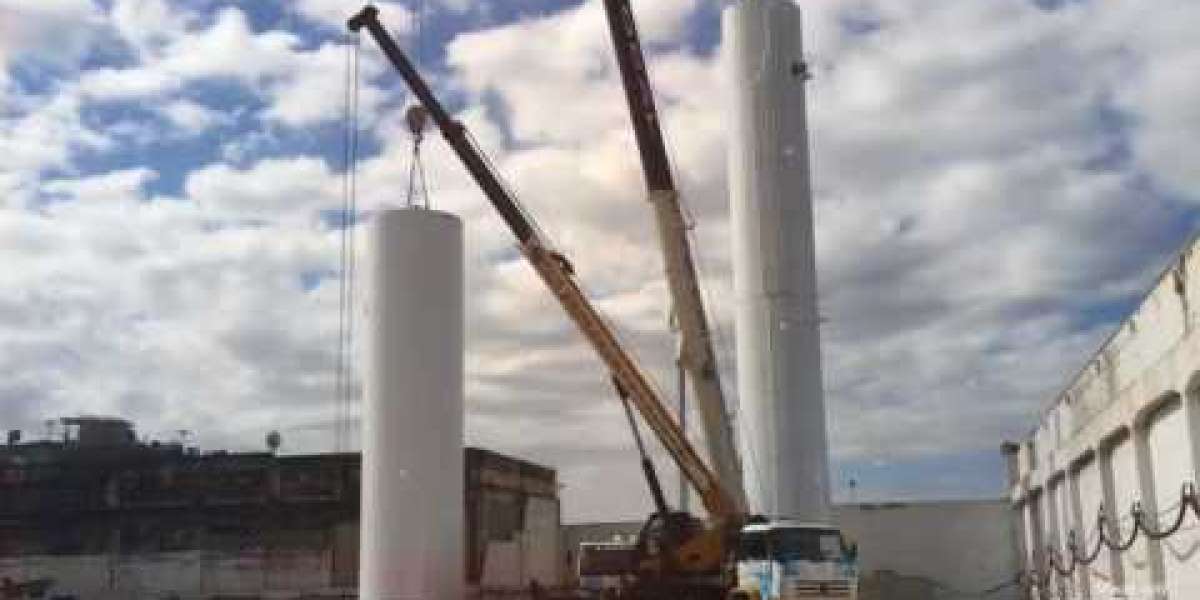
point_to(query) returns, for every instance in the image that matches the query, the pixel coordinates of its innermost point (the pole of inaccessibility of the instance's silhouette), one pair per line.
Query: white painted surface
(1135, 562)
(1062, 499)
(1100, 574)
(964, 546)
(1152, 355)
(1029, 530)
(533, 553)
(412, 512)
(1167, 435)
(778, 338)
(1037, 514)
(1050, 519)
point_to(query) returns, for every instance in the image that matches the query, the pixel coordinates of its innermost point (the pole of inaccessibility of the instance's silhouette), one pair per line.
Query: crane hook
(417, 117)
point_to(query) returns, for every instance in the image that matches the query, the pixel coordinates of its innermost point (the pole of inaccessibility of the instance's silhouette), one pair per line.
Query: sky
(997, 182)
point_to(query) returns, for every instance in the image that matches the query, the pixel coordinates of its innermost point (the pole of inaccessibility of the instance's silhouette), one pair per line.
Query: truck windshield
(805, 544)
(752, 545)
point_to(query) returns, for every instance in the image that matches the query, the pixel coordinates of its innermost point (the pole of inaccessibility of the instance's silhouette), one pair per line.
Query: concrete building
(907, 550)
(97, 514)
(1124, 430)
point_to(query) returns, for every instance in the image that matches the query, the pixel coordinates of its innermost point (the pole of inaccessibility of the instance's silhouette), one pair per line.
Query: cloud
(272, 190)
(45, 133)
(1148, 56)
(990, 176)
(193, 117)
(27, 30)
(333, 14)
(301, 86)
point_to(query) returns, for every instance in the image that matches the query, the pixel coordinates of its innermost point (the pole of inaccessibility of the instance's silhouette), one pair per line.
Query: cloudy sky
(997, 181)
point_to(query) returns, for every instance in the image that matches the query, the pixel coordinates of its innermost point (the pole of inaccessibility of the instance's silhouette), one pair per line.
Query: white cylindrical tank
(411, 319)
(778, 338)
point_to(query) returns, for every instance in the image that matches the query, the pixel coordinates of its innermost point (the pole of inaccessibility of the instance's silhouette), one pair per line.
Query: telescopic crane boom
(697, 356)
(558, 275)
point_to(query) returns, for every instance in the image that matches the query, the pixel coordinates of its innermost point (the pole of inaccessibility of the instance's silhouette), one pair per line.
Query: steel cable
(1117, 545)
(1091, 556)
(1187, 498)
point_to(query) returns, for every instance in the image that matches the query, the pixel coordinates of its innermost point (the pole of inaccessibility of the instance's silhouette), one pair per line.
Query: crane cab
(785, 560)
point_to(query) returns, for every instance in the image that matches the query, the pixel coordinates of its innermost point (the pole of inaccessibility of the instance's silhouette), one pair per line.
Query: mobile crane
(772, 560)
(696, 354)
(699, 552)
(680, 556)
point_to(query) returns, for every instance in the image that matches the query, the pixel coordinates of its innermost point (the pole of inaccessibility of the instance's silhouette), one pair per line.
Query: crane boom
(557, 274)
(697, 356)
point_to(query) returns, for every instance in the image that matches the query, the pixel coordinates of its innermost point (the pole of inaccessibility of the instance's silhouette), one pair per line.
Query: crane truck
(768, 561)
(679, 556)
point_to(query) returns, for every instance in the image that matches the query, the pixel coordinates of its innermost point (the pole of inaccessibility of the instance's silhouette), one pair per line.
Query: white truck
(784, 560)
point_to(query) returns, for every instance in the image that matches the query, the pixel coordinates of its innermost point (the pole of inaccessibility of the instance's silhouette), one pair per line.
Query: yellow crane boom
(558, 275)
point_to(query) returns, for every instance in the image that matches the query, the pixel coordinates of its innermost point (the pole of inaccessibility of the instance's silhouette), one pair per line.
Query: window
(806, 544)
(752, 546)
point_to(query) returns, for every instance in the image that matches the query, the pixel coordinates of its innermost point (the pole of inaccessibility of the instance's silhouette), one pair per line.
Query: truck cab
(784, 560)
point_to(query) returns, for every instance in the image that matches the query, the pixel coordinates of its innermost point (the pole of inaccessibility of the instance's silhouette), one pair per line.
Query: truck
(783, 558)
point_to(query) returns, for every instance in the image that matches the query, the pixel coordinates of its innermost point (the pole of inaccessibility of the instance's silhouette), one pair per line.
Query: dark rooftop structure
(96, 491)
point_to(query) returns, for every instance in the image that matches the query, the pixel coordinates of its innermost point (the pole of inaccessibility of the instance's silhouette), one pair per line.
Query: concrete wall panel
(1167, 435)
(1135, 562)
(185, 575)
(541, 549)
(963, 546)
(1100, 576)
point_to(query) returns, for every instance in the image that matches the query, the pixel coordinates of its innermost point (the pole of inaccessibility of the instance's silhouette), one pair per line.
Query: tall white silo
(778, 338)
(411, 307)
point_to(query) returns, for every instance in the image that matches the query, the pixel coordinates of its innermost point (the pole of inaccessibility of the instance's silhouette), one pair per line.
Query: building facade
(1122, 436)
(97, 514)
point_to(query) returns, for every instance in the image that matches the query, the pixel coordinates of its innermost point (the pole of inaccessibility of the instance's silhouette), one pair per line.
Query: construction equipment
(701, 553)
(775, 558)
(678, 556)
(696, 354)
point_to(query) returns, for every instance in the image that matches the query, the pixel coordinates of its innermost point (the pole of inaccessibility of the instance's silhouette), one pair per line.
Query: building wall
(144, 522)
(182, 575)
(1124, 430)
(959, 548)
(513, 520)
